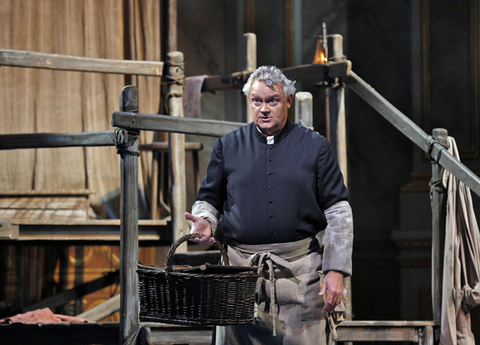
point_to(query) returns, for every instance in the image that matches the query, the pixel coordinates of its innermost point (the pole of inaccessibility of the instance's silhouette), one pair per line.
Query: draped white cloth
(461, 281)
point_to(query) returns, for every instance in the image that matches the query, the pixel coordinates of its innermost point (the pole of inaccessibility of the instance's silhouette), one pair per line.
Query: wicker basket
(200, 295)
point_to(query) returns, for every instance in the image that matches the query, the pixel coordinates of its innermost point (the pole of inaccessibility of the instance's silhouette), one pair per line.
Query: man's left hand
(333, 287)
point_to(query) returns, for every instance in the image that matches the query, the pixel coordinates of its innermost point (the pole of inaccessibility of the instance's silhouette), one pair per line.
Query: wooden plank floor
(100, 333)
(151, 333)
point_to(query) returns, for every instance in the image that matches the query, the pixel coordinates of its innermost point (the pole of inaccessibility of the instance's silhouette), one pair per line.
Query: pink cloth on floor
(44, 315)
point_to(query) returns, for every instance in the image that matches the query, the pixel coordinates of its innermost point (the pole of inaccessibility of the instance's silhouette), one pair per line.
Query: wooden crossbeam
(107, 308)
(413, 132)
(413, 331)
(165, 123)
(64, 297)
(316, 72)
(21, 58)
(158, 334)
(44, 140)
(84, 231)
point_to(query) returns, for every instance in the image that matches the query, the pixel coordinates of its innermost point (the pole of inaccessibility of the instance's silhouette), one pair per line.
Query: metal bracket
(8, 231)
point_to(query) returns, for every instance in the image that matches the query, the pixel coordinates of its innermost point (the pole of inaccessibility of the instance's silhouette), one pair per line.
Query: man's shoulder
(308, 134)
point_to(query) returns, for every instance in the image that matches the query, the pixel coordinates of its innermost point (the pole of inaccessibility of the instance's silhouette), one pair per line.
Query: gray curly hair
(270, 75)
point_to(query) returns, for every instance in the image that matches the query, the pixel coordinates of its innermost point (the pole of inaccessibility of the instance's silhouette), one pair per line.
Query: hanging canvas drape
(35, 100)
(461, 274)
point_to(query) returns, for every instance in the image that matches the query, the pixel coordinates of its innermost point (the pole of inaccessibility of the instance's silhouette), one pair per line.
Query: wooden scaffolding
(129, 231)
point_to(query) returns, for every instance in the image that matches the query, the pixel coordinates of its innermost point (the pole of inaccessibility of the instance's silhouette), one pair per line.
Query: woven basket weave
(201, 295)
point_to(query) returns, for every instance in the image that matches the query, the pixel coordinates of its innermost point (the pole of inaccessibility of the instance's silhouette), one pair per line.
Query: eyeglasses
(272, 102)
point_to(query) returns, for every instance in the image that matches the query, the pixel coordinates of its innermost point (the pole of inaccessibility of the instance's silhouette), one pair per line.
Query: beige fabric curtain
(461, 274)
(35, 100)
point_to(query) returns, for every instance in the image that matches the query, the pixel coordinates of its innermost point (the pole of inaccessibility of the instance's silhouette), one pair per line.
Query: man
(275, 185)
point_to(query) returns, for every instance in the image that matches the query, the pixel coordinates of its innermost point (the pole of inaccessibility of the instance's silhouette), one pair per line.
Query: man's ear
(289, 101)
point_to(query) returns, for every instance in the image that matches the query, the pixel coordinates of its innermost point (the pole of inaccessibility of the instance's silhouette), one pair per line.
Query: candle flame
(320, 56)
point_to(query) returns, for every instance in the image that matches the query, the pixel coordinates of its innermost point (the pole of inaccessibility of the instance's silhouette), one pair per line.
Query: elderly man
(273, 185)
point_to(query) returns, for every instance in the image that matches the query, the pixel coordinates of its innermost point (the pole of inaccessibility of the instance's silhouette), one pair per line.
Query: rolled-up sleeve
(208, 212)
(338, 242)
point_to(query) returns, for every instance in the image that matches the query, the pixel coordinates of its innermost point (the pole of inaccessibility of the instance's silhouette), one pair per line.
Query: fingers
(200, 226)
(203, 240)
(190, 216)
(331, 302)
(333, 287)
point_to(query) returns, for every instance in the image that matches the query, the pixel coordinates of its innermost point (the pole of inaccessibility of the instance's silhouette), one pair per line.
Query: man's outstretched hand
(200, 226)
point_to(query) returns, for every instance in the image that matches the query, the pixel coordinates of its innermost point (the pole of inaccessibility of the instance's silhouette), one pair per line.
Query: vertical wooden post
(249, 64)
(427, 336)
(337, 131)
(250, 52)
(304, 109)
(172, 26)
(154, 185)
(438, 202)
(175, 75)
(127, 147)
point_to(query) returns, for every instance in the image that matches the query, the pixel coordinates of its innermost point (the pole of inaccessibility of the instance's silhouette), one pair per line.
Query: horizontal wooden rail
(165, 123)
(91, 231)
(316, 72)
(413, 132)
(420, 332)
(162, 334)
(77, 292)
(44, 140)
(21, 58)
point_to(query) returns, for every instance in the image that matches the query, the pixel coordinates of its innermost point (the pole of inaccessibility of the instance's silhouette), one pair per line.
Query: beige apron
(289, 309)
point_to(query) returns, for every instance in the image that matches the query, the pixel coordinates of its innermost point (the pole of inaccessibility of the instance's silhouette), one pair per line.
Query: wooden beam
(8, 231)
(249, 62)
(64, 297)
(178, 189)
(21, 58)
(315, 72)
(378, 334)
(172, 29)
(155, 232)
(46, 192)
(107, 308)
(413, 331)
(128, 150)
(160, 334)
(413, 132)
(164, 123)
(249, 65)
(438, 198)
(44, 140)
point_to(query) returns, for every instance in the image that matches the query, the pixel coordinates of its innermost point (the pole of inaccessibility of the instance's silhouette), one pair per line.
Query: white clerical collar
(270, 138)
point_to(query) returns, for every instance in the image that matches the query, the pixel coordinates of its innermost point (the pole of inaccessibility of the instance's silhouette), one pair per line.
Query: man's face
(269, 107)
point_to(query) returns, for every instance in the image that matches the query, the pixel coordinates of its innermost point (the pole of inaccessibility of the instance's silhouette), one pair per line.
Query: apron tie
(260, 259)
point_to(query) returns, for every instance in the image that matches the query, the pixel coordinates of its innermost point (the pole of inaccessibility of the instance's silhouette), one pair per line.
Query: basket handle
(189, 236)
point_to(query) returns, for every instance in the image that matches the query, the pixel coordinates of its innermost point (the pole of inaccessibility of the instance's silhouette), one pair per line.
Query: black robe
(272, 193)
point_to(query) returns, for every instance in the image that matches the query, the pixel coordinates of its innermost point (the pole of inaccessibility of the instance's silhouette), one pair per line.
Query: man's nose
(264, 108)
